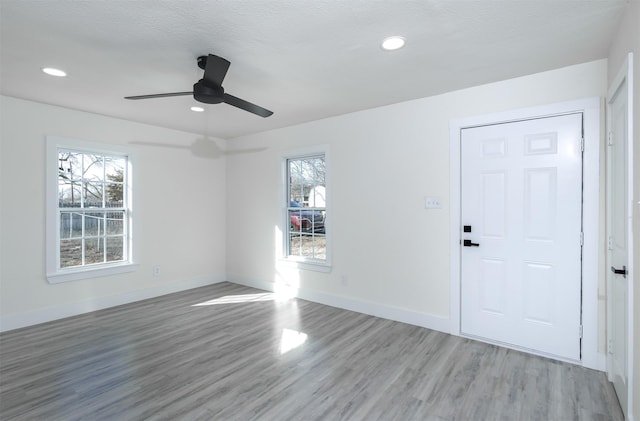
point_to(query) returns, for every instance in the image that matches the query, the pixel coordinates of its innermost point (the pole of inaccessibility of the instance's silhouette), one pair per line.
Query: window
(306, 186)
(89, 218)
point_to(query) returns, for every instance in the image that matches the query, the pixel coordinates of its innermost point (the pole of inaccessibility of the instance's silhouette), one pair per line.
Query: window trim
(54, 273)
(300, 262)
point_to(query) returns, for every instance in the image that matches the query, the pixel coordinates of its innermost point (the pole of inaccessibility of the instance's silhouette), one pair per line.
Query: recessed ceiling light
(54, 72)
(392, 43)
(197, 109)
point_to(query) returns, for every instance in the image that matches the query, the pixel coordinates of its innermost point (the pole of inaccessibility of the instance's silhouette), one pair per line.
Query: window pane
(70, 225)
(114, 168)
(306, 220)
(295, 221)
(308, 245)
(69, 165)
(70, 253)
(317, 196)
(93, 168)
(115, 223)
(115, 249)
(68, 193)
(94, 224)
(114, 173)
(93, 194)
(114, 195)
(94, 250)
(296, 180)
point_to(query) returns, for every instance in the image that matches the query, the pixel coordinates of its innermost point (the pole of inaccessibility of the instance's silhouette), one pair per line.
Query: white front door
(521, 201)
(618, 234)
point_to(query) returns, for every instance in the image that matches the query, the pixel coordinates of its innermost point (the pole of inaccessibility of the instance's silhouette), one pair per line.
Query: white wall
(384, 161)
(628, 40)
(180, 210)
(393, 252)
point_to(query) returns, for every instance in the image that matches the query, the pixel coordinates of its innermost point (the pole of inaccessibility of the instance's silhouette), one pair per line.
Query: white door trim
(626, 74)
(590, 108)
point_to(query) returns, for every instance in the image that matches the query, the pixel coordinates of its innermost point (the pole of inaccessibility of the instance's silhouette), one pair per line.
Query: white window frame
(301, 262)
(56, 274)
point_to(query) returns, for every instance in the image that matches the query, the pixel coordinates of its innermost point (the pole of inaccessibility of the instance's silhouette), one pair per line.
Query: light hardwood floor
(228, 352)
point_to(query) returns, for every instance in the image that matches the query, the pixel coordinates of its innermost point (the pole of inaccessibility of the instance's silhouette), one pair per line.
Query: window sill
(77, 274)
(315, 266)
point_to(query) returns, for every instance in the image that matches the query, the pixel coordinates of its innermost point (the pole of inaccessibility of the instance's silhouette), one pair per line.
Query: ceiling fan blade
(215, 70)
(247, 106)
(158, 95)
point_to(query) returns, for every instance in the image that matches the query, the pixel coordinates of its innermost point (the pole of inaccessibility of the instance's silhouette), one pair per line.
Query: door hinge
(581, 238)
(610, 243)
(610, 138)
(582, 144)
(580, 331)
(610, 346)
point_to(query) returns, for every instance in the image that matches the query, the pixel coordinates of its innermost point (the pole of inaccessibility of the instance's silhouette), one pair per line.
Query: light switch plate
(432, 202)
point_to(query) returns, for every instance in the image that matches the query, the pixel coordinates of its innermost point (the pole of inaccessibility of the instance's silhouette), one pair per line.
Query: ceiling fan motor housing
(207, 94)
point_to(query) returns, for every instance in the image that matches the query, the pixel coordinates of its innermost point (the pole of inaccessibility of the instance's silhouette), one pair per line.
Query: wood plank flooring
(228, 352)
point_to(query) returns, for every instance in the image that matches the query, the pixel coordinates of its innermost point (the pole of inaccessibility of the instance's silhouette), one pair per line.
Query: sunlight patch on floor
(291, 339)
(236, 299)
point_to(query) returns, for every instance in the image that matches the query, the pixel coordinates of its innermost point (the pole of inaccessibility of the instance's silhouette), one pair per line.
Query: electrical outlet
(156, 271)
(344, 280)
(432, 202)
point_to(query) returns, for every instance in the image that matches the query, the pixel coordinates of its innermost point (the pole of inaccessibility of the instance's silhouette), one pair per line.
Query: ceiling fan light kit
(209, 90)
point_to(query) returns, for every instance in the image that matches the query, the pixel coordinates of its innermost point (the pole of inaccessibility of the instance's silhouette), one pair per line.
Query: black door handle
(622, 271)
(468, 243)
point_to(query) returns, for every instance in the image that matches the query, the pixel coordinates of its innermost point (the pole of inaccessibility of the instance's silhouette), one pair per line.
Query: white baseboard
(429, 321)
(16, 321)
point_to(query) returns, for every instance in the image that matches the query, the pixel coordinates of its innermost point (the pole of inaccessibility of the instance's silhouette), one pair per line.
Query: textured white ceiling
(304, 60)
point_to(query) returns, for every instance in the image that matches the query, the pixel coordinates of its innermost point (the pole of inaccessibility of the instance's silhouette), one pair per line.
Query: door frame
(591, 212)
(625, 74)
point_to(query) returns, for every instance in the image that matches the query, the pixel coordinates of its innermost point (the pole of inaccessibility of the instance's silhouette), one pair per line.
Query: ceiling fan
(209, 89)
